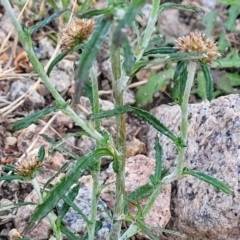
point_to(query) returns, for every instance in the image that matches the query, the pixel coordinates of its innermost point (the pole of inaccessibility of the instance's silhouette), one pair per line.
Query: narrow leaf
(126, 21)
(159, 160)
(32, 118)
(88, 91)
(209, 179)
(161, 50)
(68, 201)
(62, 187)
(208, 80)
(90, 52)
(46, 21)
(141, 192)
(147, 229)
(68, 233)
(56, 61)
(41, 153)
(181, 7)
(95, 12)
(128, 56)
(146, 116)
(11, 177)
(65, 207)
(110, 113)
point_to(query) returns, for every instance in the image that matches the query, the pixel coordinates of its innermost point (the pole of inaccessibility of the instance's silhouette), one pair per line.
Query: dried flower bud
(27, 167)
(75, 32)
(197, 42)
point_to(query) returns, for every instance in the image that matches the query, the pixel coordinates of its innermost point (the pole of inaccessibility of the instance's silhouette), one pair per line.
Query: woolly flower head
(27, 167)
(197, 42)
(75, 32)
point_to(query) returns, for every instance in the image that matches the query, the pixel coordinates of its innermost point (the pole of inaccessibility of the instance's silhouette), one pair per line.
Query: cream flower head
(77, 31)
(197, 42)
(27, 167)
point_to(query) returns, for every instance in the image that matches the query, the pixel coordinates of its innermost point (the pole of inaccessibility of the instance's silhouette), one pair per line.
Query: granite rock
(213, 148)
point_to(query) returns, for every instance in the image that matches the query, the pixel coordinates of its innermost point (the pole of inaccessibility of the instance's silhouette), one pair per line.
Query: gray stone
(213, 148)
(60, 79)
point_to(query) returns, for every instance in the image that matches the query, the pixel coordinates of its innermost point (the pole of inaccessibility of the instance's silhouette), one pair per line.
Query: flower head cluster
(75, 32)
(197, 42)
(27, 167)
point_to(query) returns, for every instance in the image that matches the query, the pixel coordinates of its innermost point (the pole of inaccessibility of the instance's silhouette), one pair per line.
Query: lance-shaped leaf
(128, 56)
(32, 118)
(208, 80)
(44, 22)
(41, 153)
(11, 177)
(161, 50)
(146, 229)
(90, 52)
(159, 161)
(95, 12)
(64, 185)
(56, 61)
(209, 179)
(68, 233)
(146, 116)
(126, 21)
(190, 8)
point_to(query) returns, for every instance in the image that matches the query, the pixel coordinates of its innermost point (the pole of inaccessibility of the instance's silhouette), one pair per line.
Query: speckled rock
(41, 231)
(138, 169)
(201, 211)
(75, 223)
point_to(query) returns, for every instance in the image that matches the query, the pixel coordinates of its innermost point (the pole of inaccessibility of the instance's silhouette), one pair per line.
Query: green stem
(27, 45)
(120, 144)
(149, 29)
(96, 169)
(49, 216)
(184, 125)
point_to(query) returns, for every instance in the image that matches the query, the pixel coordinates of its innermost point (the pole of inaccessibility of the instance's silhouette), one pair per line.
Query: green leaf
(41, 153)
(54, 5)
(46, 21)
(201, 86)
(209, 179)
(8, 168)
(155, 83)
(146, 116)
(146, 229)
(233, 13)
(90, 52)
(65, 3)
(161, 50)
(110, 113)
(62, 169)
(61, 188)
(126, 21)
(209, 21)
(88, 91)
(141, 192)
(128, 56)
(68, 201)
(32, 118)
(181, 7)
(11, 177)
(230, 2)
(95, 12)
(56, 61)
(208, 80)
(159, 161)
(68, 233)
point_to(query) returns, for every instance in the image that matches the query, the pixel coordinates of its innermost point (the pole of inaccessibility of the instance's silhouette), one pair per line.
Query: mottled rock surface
(201, 211)
(138, 170)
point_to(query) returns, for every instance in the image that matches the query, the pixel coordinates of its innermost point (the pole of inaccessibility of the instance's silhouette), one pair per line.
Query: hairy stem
(95, 171)
(27, 45)
(184, 125)
(120, 144)
(149, 29)
(49, 216)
